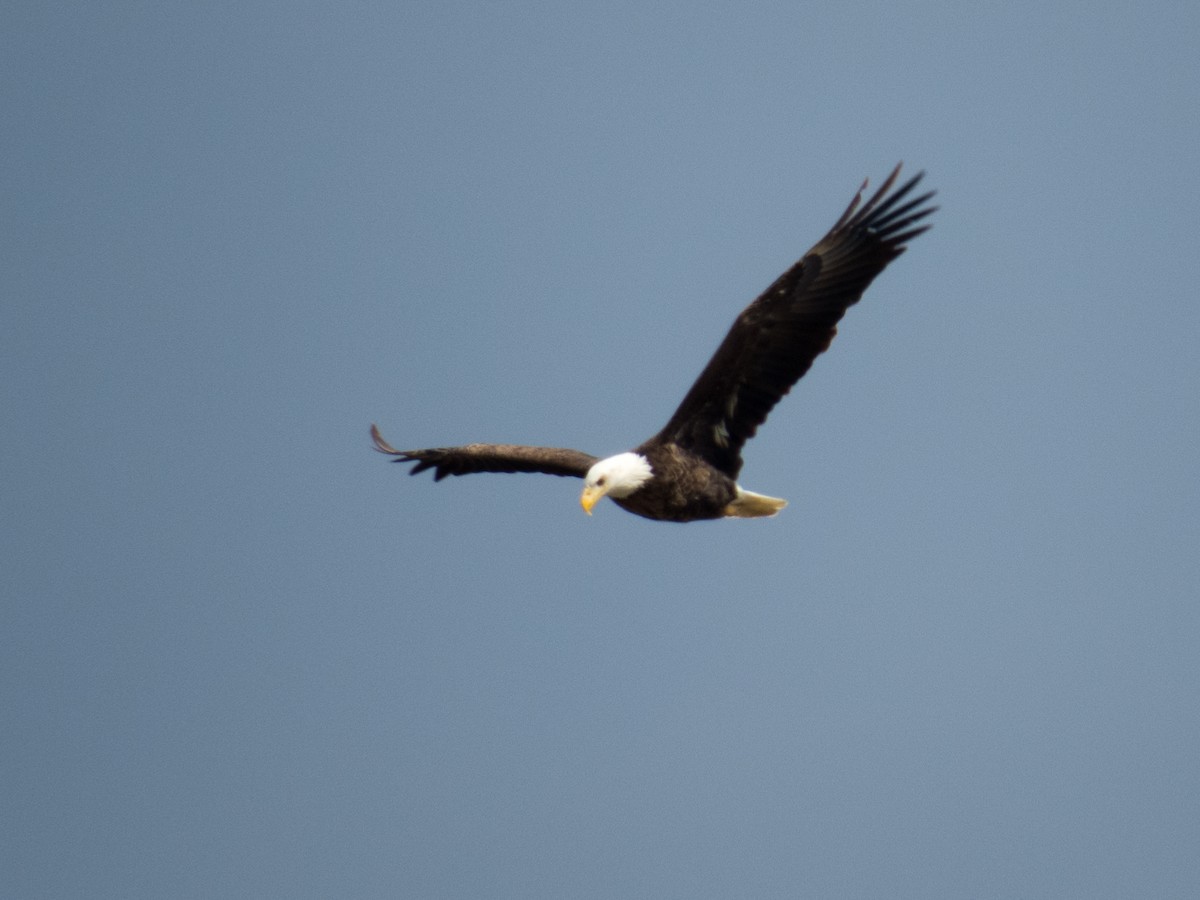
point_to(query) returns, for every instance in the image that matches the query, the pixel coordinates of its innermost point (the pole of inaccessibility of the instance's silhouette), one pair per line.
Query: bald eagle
(689, 470)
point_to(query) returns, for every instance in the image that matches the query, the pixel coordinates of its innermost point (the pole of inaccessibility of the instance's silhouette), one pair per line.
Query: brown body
(684, 487)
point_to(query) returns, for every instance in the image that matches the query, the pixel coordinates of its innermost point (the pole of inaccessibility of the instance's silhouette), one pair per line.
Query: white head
(617, 476)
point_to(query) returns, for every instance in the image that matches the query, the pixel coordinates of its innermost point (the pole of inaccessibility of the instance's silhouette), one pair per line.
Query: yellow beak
(589, 498)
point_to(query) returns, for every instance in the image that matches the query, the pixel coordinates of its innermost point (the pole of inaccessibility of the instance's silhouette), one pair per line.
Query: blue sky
(243, 656)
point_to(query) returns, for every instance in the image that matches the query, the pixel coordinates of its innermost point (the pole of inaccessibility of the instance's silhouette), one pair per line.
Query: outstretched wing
(776, 338)
(489, 458)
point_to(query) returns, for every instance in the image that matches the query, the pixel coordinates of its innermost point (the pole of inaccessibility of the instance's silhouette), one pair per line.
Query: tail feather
(750, 505)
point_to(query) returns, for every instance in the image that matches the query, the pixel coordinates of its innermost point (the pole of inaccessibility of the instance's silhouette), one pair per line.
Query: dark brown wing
(777, 337)
(488, 458)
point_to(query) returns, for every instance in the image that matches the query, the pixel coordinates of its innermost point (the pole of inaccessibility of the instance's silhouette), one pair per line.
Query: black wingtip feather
(885, 218)
(888, 219)
(402, 456)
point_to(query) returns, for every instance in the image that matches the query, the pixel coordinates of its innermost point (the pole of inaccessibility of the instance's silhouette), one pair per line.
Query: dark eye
(600, 481)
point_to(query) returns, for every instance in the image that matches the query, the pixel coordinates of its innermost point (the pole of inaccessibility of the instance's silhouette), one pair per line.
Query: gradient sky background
(242, 656)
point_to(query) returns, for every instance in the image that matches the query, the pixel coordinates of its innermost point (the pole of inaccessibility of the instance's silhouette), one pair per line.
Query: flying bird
(689, 470)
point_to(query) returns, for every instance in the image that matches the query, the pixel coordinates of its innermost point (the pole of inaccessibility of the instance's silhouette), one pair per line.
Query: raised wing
(489, 458)
(776, 338)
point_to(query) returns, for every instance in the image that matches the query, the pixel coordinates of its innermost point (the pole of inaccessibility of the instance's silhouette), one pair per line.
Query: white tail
(750, 505)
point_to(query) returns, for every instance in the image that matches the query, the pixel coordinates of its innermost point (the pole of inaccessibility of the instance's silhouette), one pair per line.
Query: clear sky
(243, 656)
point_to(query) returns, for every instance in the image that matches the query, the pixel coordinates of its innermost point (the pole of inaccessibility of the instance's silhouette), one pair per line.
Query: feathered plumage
(694, 461)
